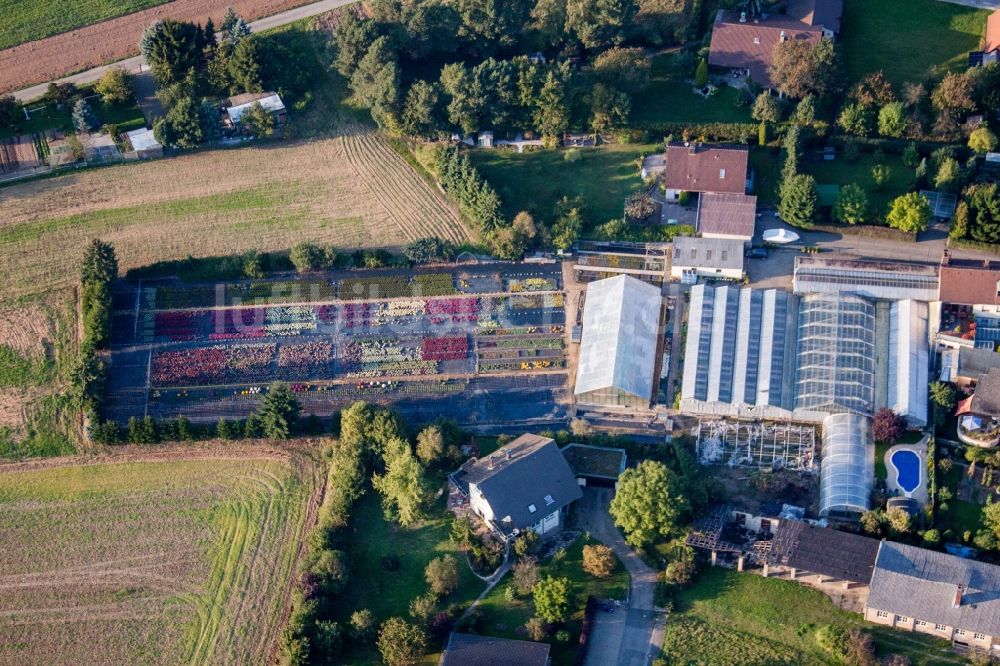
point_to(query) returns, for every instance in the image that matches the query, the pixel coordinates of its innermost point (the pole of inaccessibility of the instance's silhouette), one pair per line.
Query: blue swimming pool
(907, 464)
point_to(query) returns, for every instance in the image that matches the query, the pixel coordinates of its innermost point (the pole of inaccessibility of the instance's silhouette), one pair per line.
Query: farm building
(595, 465)
(727, 215)
(474, 650)
(935, 593)
(237, 105)
(695, 258)
(772, 354)
(804, 550)
(746, 43)
(847, 472)
(619, 344)
(870, 278)
(524, 485)
(695, 167)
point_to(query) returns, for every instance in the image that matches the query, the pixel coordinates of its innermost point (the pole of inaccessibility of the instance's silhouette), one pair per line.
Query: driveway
(632, 635)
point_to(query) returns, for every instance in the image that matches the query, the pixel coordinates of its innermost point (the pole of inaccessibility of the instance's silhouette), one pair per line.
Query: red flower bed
(457, 310)
(444, 349)
(178, 326)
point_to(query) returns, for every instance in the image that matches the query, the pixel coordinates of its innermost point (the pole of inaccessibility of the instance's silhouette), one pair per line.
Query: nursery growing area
(482, 344)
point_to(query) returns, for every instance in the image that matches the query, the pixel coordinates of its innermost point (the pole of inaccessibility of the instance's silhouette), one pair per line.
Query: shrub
(551, 597)
(115, 86)
(598, 560)
(887, 426)
(400, 643)
(832, 639)
(526, 575)
(910, 212)
(442, 575)
(362, 624)
(422, 608)
(536, 629)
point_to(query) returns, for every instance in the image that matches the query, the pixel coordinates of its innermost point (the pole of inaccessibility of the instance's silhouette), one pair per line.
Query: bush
(536, 629)
(307, 257)
(598, 560)
(832, 639)
(887, 426)
(400, 643)
(552, 598)
(442, 575)
(115, 86)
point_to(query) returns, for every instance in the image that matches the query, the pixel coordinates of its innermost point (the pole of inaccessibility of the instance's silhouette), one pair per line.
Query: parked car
(757, 253)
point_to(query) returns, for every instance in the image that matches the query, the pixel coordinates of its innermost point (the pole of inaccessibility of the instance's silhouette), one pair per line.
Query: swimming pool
(907, 464)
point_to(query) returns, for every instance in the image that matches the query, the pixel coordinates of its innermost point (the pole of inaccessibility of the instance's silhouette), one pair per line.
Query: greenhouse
(847, 472)
(836, 355)
(618, 349)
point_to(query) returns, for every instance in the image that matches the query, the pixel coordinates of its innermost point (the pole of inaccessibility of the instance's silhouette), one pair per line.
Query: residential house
(695, 167)
(964, 365)
(237, 105)
(990, 52)
(936, 593)
(972, 282)
(707, 257)
(474, 650)
(979, 414)
(524, 485)
(727, 215)
(746, 43)
(822, 555)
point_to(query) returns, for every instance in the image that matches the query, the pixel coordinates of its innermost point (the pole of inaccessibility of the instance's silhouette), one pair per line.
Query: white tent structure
(779, 236)
(621, 332)
(847, 475)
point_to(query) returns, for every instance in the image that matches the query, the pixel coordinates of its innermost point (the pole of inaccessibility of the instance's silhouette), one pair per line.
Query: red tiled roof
(751, 45)
(698, 168)
(823, 13)
(969, 282)
(992, 42)
(727, 214)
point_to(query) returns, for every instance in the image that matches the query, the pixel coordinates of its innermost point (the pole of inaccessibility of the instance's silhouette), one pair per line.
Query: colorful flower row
(444, 349)
(532, 284)
(305, 355)
(205, 365)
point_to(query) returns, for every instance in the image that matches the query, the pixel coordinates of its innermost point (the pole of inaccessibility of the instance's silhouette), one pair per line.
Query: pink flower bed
(179, 326)
(223, 363)
(444, 349)
(442, 310)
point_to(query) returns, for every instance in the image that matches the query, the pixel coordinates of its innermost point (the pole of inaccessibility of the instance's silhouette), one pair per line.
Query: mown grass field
(907, 39)
(670, 99)
(742, 619)
(175, 557)
(503, 617)
(370, 538)
(535, 181)
(27, 20)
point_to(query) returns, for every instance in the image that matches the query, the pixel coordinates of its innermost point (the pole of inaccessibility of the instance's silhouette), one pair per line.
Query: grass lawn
(127, 116)
(908, 38)
(27, 20)
(880, 469)
(669, 99)
(842, 172)
(766, 165)
(963, 517)
(504, 617)
(370, 538)
(536, 180)
(740, 619)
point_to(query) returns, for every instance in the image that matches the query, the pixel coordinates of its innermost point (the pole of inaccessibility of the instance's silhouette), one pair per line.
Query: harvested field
(174, 556)
(108, 41)
(351, 191)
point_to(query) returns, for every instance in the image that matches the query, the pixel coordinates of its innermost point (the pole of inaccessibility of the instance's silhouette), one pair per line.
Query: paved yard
(633, 634)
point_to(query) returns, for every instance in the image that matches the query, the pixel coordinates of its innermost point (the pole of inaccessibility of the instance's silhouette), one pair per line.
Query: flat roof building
(619, 343)
(707, 257)
(871, 278)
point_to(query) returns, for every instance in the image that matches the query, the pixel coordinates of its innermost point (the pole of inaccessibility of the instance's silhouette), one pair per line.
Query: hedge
(734, 132)
(867, 231)
(969, 244)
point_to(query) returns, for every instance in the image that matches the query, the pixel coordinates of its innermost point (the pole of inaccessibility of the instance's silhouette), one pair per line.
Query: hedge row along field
(184, 556)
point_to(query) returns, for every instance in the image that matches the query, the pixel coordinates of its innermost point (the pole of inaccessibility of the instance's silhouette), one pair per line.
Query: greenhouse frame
(847, 472)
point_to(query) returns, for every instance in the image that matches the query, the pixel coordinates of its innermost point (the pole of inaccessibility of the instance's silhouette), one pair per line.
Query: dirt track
(52, 57)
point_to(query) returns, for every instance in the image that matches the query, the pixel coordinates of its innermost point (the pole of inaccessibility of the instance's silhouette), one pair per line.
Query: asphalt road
(137, 64)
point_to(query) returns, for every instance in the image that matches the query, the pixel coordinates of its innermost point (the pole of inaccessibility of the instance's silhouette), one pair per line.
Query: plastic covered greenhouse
(847, 474)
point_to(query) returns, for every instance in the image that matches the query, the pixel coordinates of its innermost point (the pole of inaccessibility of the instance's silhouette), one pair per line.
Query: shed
(144, 143)
(595, 465)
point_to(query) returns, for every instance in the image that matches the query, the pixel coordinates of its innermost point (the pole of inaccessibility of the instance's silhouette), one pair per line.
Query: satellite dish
(779, 236)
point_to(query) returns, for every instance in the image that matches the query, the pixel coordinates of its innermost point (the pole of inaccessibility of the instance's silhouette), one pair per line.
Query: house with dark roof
(979, 414)
(727, 215)
(803, 551)
(695, 167)
(746, 43)
(473, 650)
(525, 485)
(935, 593)
(595, 465)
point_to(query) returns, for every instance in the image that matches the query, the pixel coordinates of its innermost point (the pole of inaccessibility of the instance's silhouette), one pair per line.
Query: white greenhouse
(847, 473)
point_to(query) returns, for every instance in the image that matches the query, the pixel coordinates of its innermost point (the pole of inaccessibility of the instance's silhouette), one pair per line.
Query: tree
(536, 629)
(430, 445)
(647, 504)
(551, 597)
(766, 108)
(526, 575)
(442, 575)
(982, 140)
(362, 623)
(805, 110)
(115, 86)
(84, 119)
(279, 412)
(944, 395)
(422, 608)
(873, 90)
(638, 207)
(624, 69)
(331, 571)
(599, 23)
(859, 648)
(802, 68)
(799, 202)
(208, 120)
(306, 257)
(174, 50)
(526, 544)
(487, 25)
(328, 639)
(608, 108)
(375, 82)
(467, 106)
(855, 119)
(100, 264)
(892, 120)
(953, 95)
(851, 206)
(10, 111)
(352, 35)
(403, 487)
(911, 155)
(400, 643)
(910, 213)
(551, 115)
(598, 560)
(982, 210)
(224, 430)
(257, 121)
(898, 520)
(181, 127)
(887, 426)
(681, 571)
(567, 228)
(420, 109)
(948, 174)
(234, 27)
(701, 74)
(991, 518)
